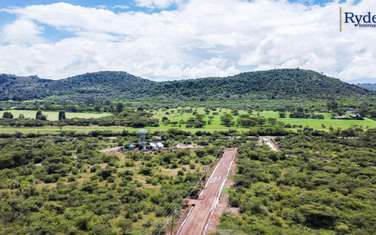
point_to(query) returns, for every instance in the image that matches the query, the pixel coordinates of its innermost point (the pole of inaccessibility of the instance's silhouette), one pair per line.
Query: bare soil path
(269, 141)
(199, 215)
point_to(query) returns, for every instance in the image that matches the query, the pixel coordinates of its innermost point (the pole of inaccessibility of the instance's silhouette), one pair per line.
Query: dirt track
(269, 141)
(198, 217)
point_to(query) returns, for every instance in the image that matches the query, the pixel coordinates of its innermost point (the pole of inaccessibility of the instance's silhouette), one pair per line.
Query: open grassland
(320, 124)
(53, 116)
(178, 117)
(175, 115)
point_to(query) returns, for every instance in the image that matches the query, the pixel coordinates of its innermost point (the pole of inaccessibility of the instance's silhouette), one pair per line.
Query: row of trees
(129, 118)
(38, 116)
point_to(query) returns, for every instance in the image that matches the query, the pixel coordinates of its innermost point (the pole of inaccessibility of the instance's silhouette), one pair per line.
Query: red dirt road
(198, 217)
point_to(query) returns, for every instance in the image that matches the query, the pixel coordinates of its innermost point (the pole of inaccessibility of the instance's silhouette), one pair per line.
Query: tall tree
(62, 116)
(119, 107)
(332, 105)
(227, 119)
(39, 116)
(7, 115)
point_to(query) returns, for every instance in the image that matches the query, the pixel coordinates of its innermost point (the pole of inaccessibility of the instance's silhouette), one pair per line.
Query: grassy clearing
(53, 116)
(176, 115)
(321, 124)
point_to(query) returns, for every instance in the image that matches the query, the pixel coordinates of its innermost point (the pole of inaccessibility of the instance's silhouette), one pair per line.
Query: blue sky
(88, 3)
(179, 39)
(7, 3)
(93, 3)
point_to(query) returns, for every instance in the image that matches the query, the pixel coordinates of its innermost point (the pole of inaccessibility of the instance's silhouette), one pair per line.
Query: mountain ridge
(276, 83)
(368, 86)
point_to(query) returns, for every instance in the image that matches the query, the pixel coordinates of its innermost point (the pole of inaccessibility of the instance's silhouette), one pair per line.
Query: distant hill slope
(90, 85)
(368, 86)
(281, 83)
(21, 88)
(117, 84)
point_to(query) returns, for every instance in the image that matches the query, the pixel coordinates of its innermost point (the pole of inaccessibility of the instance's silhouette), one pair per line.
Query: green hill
(23, 88)
(281, 83)
(368, 86)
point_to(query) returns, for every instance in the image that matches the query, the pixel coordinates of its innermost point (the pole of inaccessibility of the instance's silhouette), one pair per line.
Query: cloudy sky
(180, 39)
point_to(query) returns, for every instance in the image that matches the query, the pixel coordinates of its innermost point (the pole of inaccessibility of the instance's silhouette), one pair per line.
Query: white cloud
(156, 3)
(21, 31)
(199, 38)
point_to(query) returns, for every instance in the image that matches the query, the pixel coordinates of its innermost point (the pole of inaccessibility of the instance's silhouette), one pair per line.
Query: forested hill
(368, 86)
(281, 83)
(21, 88)
(116, 84)
(89, 85)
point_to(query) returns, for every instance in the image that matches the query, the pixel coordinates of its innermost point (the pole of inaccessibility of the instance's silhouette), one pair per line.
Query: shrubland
(315, 185)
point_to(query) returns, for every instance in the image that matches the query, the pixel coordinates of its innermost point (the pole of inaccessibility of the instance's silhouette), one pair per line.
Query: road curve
(197, 219)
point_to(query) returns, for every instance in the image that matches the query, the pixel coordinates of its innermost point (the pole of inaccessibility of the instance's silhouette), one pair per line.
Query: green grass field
(53, 116)
(321, 124)
(175, 115)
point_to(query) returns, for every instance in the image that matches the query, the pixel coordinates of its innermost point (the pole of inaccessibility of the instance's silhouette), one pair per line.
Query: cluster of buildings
(349, 115)
(143, 145)
(146, 146)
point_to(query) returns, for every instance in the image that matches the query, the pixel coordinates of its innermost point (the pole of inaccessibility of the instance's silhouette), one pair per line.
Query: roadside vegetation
(315, 185)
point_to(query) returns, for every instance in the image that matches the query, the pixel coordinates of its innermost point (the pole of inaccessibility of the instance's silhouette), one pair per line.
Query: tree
(272, 121)
(62, 116)
(165, 120)
(21, 116)
(39, 116)
(196, 122)
(97, 108)
(119, 107)
(7, 115)
(332, 105)
(364, 109)
(227, 119)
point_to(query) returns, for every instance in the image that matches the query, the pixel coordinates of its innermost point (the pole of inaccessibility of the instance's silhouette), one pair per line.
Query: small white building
(160, 145)
(153, 145)
(156, 145)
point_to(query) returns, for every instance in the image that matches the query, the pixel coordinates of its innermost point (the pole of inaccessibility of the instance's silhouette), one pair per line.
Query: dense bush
(64, 185)
(315, 185)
